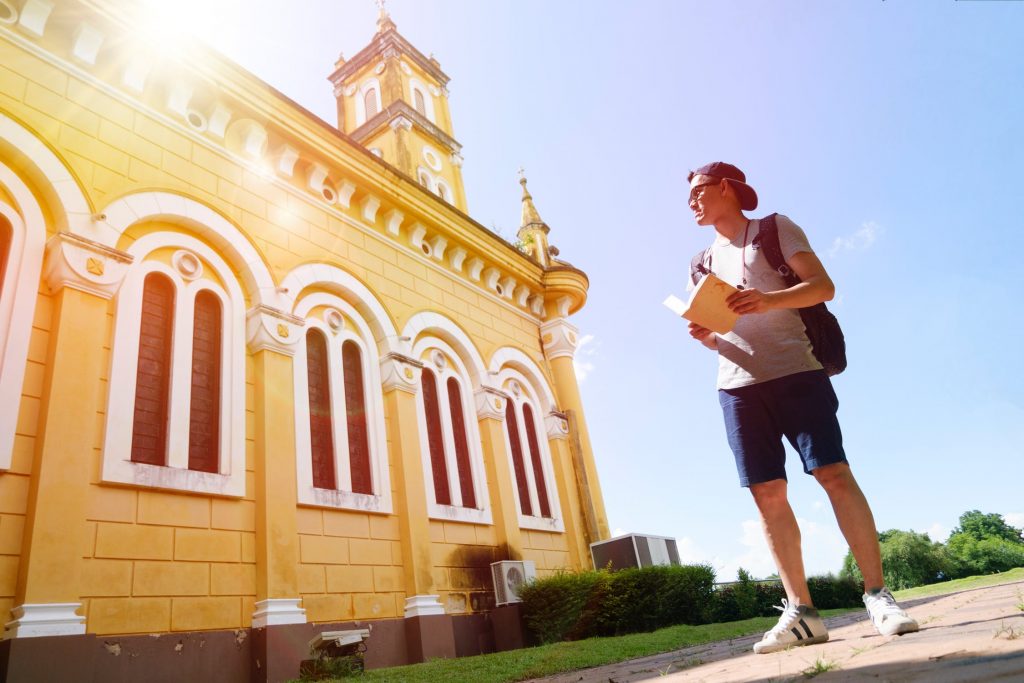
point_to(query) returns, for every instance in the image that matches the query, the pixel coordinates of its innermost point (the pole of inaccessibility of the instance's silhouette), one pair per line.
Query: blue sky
(890, 131)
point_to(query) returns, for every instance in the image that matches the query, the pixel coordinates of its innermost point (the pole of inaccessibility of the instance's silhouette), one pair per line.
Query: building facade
(261, 376)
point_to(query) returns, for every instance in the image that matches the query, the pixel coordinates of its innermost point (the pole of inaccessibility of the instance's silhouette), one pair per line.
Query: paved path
(975, 635)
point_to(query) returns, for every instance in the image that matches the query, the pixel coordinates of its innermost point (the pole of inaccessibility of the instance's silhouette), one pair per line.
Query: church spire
(384, 20)
(533, 231)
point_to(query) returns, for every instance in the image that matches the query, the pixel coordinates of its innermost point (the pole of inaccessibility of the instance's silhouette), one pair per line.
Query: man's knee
(835, 477)
(770, 493)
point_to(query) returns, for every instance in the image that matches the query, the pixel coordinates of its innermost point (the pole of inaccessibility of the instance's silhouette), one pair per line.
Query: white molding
(278, 611)
(334, 279)
(199, 219)
(557, 426)
(34, 15)
(342, 497)
(79, 263)
(516, 359)
(117, 464)
(401, 373)
(428, 99)
(88, 40)
(490, 403)
(559, 339)
(33, 620)
(361, 97)
(400, 122)
(12, 17)
(368, 208)
(220, 117)
(456, 256)
(423, 606)
(287, 156)
(393, 221)
(268, 329)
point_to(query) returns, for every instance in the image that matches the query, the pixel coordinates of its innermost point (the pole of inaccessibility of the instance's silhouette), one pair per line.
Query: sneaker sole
(796, 643)
(902, 630)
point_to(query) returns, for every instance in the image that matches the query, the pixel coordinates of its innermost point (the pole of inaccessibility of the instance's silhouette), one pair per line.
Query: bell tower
(394, 101)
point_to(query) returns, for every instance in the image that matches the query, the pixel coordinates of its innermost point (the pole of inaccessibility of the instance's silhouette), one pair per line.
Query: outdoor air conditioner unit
(508, 576)
(634, 550)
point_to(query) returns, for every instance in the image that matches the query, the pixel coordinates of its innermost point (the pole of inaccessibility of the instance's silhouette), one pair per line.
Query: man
(771, 386)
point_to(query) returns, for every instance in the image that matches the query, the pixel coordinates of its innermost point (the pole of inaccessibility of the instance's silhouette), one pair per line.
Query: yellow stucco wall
(156, 560)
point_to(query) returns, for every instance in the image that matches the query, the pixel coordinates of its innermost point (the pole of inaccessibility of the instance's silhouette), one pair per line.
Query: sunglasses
(697, 191)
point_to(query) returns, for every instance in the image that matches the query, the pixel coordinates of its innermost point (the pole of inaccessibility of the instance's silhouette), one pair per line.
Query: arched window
(175, 410)
(204, 408)
(370, 103)
(321, 429)
(530, 462)
(153, 375)
(418, 103)
(450, 437)
(443, 191)
(355, 415)
(340, 442)
(435, 438)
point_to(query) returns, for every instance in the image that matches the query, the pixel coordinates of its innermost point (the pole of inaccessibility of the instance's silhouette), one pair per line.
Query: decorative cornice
(45, 619)
(278, 611)
(490, 403)
(268, 329)
(559, 338)
(76, 262)
(400, 372)
(423, 606)
(401, 113)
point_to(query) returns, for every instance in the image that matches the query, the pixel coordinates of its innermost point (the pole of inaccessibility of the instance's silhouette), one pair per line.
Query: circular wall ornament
(516, 389)
(434, 91)
(334, 319)
(349, 90)
(409, 374)
(437, 358)
(432, 158)
(379, 69)
(187, 264)
(196, 120)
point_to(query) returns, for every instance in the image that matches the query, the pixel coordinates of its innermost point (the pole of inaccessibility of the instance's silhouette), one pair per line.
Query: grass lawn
(545, 660)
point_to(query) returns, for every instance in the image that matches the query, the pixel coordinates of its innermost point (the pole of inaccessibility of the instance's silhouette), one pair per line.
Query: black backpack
(823, 331)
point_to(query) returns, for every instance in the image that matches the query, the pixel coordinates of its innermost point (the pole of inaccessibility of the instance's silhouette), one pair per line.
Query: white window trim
(361, 100)
(373, 398)
(529, 395)
(118, 467)
(428, 101)
(454, 512)
(17, 306)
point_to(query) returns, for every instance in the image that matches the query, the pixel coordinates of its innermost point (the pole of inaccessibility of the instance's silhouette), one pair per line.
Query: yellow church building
(262, 377)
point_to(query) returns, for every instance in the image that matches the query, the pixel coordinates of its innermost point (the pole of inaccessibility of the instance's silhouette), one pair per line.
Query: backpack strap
(768, 240)
(697, 267)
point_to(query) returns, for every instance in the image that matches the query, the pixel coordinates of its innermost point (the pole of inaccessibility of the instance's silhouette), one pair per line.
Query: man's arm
(816, 287)
(704, 336)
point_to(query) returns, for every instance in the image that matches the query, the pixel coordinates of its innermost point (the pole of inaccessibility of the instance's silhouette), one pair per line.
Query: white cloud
(860, 240)
(938, 532)
(823, 548)
(819, 505)
(1015, 519)
(582, 362)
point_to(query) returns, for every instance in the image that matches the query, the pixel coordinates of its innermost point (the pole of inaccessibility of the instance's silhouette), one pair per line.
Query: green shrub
(746, 598)
(575, 606)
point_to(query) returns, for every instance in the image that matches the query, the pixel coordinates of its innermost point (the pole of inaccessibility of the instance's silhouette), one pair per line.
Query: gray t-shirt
(762, 346)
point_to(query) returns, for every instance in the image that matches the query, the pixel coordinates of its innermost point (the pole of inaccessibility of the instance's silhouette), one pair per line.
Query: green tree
(908, 559)
(980, 526)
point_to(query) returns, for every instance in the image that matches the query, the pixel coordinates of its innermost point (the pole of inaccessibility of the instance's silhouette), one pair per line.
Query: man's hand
(704, 336)
(750, 301)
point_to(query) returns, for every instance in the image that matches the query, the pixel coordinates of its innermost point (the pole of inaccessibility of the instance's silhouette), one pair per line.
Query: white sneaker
(889, 619)
(798, 625)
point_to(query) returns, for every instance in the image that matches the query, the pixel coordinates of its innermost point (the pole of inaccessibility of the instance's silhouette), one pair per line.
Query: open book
(707, 305)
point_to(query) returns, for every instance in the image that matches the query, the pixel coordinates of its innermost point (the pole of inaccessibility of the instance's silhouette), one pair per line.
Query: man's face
(706, 198)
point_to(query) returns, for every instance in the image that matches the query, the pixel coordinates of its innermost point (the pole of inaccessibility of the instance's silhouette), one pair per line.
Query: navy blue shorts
(800, 407)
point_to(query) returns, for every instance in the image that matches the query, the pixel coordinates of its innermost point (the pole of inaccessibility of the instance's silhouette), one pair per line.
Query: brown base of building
(264, 655)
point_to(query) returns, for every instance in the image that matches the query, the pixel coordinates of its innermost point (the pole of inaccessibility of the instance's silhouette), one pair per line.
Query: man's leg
(855, 520)
(783, 536)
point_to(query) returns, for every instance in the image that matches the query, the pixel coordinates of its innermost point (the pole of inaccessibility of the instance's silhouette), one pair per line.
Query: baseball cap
(736, 178)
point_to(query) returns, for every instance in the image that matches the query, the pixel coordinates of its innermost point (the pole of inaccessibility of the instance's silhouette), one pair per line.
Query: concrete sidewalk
(975, 635)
